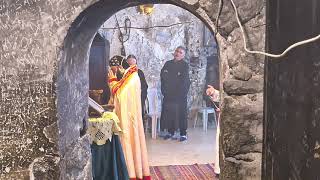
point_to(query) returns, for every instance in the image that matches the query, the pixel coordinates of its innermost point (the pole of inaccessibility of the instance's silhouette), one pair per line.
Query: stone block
(238, 87)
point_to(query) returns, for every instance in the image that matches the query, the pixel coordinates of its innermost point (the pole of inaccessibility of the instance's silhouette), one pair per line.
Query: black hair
(131, 56)
(183, 48)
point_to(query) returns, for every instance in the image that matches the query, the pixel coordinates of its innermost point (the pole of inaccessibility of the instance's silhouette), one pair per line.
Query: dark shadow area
(292, 92)
(98, 60)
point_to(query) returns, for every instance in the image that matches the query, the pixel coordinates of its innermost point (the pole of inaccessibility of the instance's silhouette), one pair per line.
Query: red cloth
(144, 178)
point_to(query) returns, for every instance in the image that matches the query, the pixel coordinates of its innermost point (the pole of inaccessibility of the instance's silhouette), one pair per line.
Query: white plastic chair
(153, 105)
(205, 112)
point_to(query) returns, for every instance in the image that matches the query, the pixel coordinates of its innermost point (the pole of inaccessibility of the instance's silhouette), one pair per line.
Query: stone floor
(199, 148)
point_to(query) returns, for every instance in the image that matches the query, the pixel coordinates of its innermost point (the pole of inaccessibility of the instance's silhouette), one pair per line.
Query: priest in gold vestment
(126, 94)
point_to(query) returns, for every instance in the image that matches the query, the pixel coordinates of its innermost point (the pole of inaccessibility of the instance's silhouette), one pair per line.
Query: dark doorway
(212, 71)
(99, 55)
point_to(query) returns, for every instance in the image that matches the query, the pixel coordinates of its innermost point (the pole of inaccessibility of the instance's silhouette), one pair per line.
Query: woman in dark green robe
(108, 162)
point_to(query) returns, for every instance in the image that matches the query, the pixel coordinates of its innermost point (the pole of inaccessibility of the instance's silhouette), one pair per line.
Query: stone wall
(242, 95)
(32, 33)
(155, 45)
(44, 84)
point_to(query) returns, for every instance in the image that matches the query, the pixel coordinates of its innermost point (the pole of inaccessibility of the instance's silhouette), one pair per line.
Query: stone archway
(45, 51)
(242, 79)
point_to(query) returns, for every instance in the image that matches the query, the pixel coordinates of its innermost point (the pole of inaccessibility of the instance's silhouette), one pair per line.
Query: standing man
(132, 60)
(175, 85)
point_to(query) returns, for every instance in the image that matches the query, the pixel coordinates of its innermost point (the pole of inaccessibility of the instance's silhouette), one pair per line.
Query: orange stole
(112, 80)
(124, 79)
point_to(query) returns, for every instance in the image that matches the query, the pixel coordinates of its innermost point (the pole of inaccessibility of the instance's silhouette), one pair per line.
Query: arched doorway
(80, 37)
(152, 39)
(99, 54)
(72, 95)
(32, 39)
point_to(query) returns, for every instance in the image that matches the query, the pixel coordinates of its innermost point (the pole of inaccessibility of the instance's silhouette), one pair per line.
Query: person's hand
(210, 90)
(111, 74)
(218, 110)
(121, 69)
(114, 69)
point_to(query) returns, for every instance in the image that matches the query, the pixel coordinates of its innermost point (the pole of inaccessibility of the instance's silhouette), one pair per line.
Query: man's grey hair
(183, 48)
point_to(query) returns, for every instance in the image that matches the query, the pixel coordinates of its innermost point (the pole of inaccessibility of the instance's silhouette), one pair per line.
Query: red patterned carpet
(183, 172)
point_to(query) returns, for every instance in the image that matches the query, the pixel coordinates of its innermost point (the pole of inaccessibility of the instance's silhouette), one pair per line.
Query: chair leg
(146, 127)
(154, 127)
(215, 119)
(206, 122)
(203, 119)
(195, 121)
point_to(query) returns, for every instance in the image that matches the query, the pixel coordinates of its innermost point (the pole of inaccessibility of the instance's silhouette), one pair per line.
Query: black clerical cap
(116, 60)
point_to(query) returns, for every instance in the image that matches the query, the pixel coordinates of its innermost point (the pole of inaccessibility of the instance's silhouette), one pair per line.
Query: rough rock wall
(242, 95)
(31, 33)
(32, 43)
(155, 45)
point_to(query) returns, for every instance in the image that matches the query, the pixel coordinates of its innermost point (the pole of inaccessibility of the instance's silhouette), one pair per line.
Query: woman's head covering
(116, 60)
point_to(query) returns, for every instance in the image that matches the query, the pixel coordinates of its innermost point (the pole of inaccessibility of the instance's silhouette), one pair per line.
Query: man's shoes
(183, 138)
(162, 134)
(168, 136)
(176, 136)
